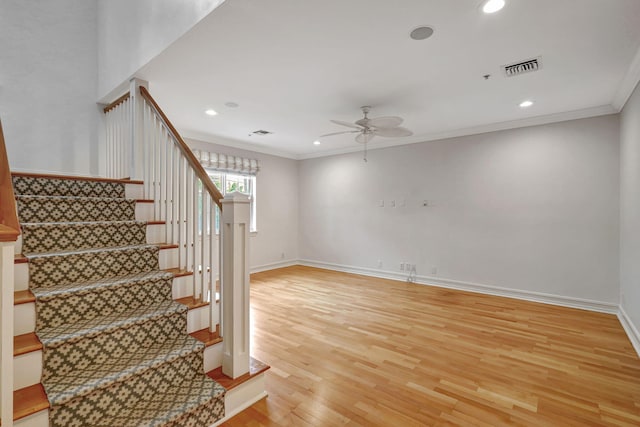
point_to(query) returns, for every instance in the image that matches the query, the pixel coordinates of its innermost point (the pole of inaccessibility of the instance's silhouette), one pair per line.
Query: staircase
(116, 319)
(115, 348)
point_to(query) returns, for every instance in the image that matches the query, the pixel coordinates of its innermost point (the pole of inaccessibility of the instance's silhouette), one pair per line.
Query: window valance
(227, 163)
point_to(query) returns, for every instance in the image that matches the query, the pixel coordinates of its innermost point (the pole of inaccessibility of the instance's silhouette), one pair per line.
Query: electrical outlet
(434, 270)
(282, 255)
(393, 203)
(402, 266)
(379, 264)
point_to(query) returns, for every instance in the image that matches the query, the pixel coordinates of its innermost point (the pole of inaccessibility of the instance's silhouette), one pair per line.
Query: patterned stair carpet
(115, 346)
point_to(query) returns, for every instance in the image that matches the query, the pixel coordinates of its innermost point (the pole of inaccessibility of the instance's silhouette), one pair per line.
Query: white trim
(241, 408)
(62, 173)
(552, 299)
(564, 116)
(628, 83)
(630, 329)
(234, 143)
(273, 266)
(601, 110)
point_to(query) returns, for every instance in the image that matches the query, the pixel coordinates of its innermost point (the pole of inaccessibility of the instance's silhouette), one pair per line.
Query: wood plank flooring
(359, 351)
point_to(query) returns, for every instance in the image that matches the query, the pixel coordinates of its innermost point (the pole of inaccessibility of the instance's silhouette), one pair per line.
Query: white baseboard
(273, 266)
(560, 300)
(630, 329)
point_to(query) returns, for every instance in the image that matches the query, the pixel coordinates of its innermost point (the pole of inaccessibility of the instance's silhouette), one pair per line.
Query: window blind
(226, 163)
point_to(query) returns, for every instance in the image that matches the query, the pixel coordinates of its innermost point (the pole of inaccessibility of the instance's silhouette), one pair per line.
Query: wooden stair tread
(167, 245)
(78, 178)
(144, 200)
(177, 272)
(23, 297)
(26, 343)
(256, 367)
(192, 303)
(206, 337)
(29, 400)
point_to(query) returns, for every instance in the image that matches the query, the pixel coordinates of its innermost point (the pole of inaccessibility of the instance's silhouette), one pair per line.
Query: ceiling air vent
(522, 67)
(261, 132)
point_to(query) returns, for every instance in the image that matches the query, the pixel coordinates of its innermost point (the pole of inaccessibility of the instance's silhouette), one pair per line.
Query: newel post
(234, 235)
(137, 130)
(6, 341)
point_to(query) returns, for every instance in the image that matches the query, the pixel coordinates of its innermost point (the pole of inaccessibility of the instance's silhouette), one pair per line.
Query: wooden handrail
(9, 224)
(117, 102)
(186, 151)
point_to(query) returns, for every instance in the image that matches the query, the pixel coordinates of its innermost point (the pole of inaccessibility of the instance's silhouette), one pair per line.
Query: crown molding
(601, 110)
(241, 145)
(628, 83)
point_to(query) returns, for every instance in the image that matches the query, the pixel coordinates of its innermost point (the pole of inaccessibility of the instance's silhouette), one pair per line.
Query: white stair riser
(39, 419)
(27, 369)
(17, 248)
(213, 357)
(21, 276)
(182, 287)
(197, 319)
(168, 258)
(144, 212)
(134, 191)
(25, 319)
(155, 233)
(241, 397)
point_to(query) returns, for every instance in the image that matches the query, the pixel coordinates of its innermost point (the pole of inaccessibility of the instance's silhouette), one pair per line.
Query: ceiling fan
(367, 129)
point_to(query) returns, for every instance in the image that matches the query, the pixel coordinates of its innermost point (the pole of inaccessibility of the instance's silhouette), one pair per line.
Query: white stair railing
(118, 137)
(185, 198)
(189, 202)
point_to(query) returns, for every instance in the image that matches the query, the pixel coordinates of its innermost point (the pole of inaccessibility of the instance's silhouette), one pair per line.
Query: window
(229, 182)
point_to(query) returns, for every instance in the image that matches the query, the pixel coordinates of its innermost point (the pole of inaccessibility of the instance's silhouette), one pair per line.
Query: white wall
(630, 210)
(532, 209)
(48, 78)
(131, 33)
(277, 206)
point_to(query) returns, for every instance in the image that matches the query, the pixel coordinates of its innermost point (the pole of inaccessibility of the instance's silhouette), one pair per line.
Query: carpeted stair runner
(115, 347)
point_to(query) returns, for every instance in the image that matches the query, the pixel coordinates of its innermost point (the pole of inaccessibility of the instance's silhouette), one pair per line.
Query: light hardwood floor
(360, 351)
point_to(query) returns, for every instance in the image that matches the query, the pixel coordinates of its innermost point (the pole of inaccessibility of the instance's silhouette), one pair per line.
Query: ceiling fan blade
(339, 133)
(386, 122)
(363, 138)
(351, 125)
(392, 132)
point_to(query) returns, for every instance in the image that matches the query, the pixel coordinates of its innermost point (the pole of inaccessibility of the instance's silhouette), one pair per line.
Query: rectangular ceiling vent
(522, 67)
(261, 132)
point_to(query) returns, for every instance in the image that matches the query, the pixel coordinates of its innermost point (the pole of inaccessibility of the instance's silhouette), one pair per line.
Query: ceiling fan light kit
(367, 129)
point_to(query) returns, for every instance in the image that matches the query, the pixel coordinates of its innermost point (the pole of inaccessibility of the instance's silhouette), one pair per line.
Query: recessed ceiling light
(210, 112)
(232, 104)
(316, 142)
(525, 104)
(421, 33)
(492, 6)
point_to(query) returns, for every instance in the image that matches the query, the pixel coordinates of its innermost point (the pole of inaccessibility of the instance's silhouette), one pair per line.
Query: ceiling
(293, 65)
